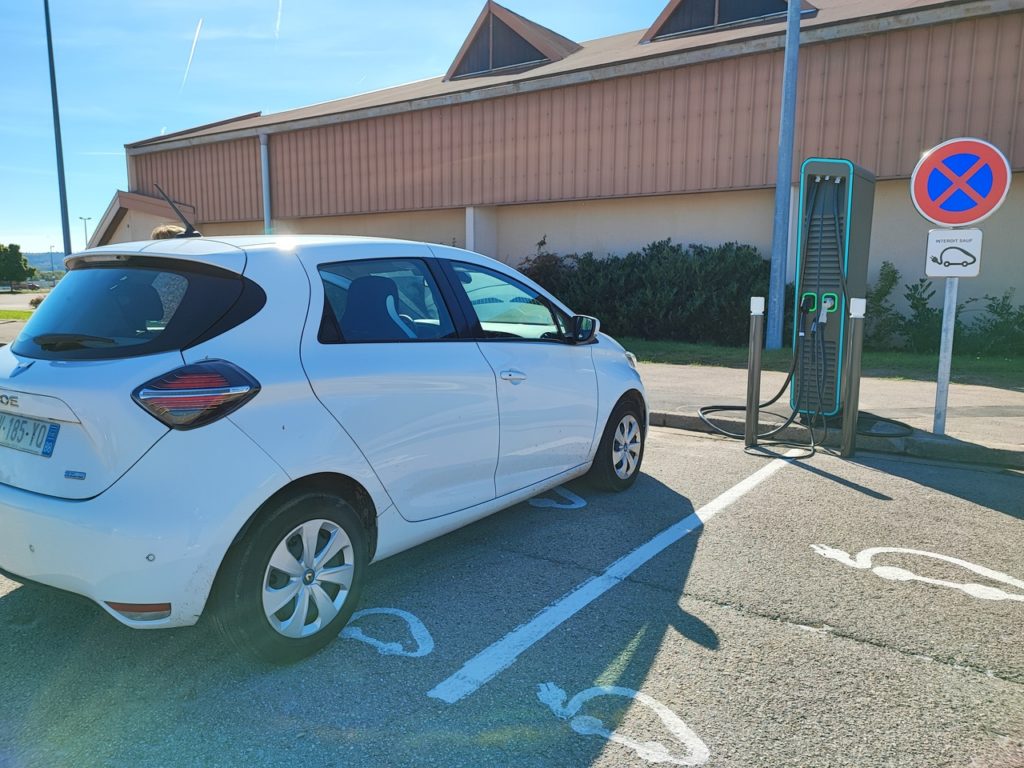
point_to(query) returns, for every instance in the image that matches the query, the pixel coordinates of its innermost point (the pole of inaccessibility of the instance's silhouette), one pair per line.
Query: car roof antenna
(190, 231)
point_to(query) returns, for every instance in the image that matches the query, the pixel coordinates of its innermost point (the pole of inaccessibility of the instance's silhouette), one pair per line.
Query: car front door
(381, 354)
(547, 387)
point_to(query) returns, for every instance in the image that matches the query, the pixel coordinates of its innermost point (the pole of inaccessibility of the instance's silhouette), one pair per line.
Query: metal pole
(85, 232)
(945, 355)
(851, 366)
(754, 371)
(56, 135)
(784, 178)
(268, 227)
(53, 277)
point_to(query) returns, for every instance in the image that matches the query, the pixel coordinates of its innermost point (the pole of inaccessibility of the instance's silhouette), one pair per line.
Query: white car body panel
(286, 419)
(424, 414)
(102, 438)
(434, 452)
(99, 548)
(460, 447)
(548, 415)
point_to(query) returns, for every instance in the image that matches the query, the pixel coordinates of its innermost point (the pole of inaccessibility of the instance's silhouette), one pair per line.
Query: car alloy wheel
(626, 445)
(289, 585)
(308, 578)
(621, 450)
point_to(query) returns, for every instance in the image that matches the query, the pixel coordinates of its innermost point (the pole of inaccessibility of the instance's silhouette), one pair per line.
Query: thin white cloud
(277, 26)
(192, 53)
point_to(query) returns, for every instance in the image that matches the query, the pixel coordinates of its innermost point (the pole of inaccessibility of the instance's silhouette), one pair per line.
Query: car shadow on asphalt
(616, 643)
(79, 688)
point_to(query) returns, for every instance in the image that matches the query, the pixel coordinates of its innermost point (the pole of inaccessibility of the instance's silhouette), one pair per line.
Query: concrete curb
(920, 445)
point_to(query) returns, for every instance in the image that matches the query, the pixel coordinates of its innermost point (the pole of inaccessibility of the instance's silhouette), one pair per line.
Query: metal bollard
(754, 371)
(851, 377)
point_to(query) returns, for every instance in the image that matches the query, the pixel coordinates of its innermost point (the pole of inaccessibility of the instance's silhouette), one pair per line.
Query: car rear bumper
(158, 535)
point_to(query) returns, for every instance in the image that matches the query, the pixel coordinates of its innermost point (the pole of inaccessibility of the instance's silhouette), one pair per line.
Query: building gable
(682, 17)
(503, 41)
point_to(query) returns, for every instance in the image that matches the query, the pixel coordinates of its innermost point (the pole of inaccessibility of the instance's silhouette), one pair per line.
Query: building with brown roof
(607, 145)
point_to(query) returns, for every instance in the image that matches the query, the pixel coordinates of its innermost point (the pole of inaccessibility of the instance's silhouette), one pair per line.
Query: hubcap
(308, 578)
(626, 447)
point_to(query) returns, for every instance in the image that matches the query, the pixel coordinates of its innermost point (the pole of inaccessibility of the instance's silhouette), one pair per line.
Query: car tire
(621, 450)
(307, 553)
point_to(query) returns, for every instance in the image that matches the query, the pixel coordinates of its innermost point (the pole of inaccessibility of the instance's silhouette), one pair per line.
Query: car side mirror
(585, 329)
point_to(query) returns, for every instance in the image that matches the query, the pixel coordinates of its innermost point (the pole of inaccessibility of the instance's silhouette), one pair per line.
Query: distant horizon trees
(14, 266)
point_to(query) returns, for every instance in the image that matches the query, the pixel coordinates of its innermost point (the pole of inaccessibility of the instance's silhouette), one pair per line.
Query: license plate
(29, 435)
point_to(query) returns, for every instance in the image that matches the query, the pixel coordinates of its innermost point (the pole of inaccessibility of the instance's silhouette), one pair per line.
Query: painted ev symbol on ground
(572, 501)
(862, 561)
(696, 751)
(417, 630)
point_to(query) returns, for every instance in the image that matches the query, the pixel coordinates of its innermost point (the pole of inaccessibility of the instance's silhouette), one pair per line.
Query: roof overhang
(122, 203)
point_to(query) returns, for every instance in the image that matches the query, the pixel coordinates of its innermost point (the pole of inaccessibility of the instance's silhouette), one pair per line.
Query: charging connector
(828, 304)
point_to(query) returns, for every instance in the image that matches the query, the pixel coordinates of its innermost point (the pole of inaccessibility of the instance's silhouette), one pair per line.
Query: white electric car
(244, 424)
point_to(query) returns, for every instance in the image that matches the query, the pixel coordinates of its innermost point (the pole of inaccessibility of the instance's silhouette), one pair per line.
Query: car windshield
(108, 311)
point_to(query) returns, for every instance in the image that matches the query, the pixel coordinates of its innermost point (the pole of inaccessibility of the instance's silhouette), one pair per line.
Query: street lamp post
(53, 278)
(61, 189)
(85, 232)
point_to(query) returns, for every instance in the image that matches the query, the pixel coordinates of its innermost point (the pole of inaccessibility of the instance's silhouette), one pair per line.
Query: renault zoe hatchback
(240, 426)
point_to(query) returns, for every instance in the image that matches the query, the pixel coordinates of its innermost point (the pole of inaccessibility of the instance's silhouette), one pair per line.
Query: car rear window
(126, 309)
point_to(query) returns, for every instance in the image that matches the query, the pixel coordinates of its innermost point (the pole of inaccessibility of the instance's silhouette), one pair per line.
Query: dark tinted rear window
(103, 311)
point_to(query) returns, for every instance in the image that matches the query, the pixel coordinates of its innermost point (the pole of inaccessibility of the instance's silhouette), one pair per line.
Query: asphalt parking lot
(587, 629)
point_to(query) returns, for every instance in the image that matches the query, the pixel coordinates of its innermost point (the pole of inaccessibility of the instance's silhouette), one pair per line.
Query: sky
(127, 71)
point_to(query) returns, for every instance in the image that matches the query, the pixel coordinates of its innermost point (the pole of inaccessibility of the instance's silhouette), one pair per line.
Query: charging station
(836, 206)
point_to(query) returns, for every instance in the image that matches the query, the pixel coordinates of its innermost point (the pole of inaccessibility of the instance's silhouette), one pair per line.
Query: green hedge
(990, 326)
(700, 293)
(665, 291)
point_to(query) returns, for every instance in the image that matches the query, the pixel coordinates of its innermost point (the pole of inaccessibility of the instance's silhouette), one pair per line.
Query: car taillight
(197, 394)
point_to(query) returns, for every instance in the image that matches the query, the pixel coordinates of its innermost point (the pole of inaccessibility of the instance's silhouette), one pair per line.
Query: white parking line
(501, 655)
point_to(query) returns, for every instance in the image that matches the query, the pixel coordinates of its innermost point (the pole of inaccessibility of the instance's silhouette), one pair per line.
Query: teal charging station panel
(833, 240)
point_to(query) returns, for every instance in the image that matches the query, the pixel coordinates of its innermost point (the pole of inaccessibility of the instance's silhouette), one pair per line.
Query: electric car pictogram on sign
(953, 253)
(960, 182)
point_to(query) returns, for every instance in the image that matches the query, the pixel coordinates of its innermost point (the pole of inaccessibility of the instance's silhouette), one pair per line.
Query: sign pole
(956, 184)
(945, 355)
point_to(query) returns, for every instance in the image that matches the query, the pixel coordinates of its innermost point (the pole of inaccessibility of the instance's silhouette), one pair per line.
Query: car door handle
(513, 375)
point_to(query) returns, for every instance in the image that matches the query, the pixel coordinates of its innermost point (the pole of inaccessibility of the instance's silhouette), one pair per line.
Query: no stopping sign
(960, 182)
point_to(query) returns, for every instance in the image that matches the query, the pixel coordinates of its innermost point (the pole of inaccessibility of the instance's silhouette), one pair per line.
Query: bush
(997, 330)
(696, 293)
(700, 293)
(881, 321)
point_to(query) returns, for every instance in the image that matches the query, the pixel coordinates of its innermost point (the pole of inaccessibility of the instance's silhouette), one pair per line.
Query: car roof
(232, 252)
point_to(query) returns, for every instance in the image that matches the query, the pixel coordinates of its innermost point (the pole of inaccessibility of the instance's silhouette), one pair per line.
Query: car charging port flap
(196, 395)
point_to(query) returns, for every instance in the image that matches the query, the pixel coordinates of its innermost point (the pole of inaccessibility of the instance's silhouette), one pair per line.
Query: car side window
(507, 308)
(382, 300)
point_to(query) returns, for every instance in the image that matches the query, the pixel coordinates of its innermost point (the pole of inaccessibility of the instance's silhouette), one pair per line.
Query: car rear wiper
(58, 341)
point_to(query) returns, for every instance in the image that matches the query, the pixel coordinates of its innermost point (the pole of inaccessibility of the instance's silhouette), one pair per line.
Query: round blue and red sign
(960, 182)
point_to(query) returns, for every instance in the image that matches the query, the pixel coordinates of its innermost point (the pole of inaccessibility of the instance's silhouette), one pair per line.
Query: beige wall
(618, 226)
(137, 225)
(442, 227)
(623, 225)
(899, 234)
(225, 228)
